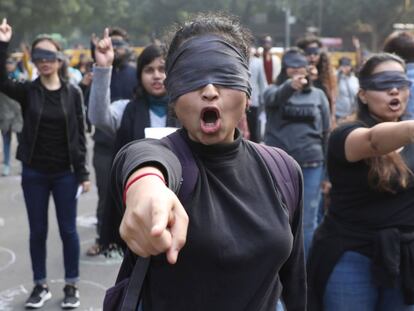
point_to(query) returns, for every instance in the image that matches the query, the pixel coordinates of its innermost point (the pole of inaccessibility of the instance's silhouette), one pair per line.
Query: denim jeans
(351, 288)
(6, 146)
(312, 177)
(37, 187)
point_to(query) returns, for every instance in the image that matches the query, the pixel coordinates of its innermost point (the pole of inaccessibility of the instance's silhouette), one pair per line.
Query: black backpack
(125, 295)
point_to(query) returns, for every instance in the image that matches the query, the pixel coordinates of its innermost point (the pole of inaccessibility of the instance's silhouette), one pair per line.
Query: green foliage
(145, 19)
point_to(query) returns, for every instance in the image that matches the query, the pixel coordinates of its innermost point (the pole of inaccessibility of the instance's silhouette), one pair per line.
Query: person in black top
(52, 149)
(231, 246)
(362, 256)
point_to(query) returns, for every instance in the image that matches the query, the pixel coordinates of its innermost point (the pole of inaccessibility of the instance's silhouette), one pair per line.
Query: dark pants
(252, 121)
(37, 188)
(102, 163)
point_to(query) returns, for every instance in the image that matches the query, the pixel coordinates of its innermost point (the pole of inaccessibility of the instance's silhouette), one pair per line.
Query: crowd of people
(202, 213)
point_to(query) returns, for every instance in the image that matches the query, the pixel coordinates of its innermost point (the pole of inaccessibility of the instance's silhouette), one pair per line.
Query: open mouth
(394, 104)
(157, 85)
(210, 120)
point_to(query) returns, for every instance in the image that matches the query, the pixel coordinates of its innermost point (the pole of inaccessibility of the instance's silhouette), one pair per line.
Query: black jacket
(30, 95)
(135, 119)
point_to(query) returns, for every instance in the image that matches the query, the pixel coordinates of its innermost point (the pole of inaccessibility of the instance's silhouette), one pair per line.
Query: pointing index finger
(178, 232)
(4, 22)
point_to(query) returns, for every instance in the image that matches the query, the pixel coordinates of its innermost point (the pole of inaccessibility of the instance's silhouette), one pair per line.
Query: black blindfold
(312, 51)
(46, 55)
(206, 60)
(385, 80)
(294, 60)
(116, 43)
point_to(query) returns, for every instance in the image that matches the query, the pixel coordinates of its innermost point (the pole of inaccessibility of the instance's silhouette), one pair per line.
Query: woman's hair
(282, 77)
(324, 66)
(225, 26)
(386, 168)
(402, 44)
(63, 70)
(150, 53)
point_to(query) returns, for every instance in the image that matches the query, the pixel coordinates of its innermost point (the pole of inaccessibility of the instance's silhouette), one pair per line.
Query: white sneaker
(38, 297)
(71, 299)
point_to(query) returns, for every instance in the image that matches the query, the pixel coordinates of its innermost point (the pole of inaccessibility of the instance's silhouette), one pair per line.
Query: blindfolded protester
(298, 122)
(52, 149)
(362, 256)
(206, 219)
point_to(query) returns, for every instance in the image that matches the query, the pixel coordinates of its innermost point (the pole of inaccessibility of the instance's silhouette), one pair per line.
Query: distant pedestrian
(259, 84)
(348, 86)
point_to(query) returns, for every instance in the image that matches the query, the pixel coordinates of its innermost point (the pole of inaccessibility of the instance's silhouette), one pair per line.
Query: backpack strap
(136, 281)
(285, 174)
(190, 171)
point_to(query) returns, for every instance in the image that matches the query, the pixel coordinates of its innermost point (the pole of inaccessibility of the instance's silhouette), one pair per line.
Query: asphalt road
(97, 273)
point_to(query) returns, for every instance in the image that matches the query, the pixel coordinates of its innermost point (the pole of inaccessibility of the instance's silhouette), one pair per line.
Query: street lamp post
(287, 26)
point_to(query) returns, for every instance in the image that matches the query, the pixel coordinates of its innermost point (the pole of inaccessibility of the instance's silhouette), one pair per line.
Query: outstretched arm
(383, 138)
(154, 222)
(146, 175)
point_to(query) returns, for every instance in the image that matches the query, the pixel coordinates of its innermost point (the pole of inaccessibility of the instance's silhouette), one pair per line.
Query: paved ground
(97, 273)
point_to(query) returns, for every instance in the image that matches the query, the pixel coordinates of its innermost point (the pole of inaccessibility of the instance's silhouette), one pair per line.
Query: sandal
(94, 250)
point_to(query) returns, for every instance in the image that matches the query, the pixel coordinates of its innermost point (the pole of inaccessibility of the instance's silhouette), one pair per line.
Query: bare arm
(383, 138)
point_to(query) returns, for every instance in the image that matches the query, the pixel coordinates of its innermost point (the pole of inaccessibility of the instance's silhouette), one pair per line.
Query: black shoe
(71, 300)
(38, 297)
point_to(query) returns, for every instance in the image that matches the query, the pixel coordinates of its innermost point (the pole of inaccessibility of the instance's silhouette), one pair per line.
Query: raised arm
(383, 138)
(15, 90)
(101, 113)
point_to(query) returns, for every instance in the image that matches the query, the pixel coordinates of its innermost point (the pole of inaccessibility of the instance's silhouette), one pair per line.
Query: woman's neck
(51, 82)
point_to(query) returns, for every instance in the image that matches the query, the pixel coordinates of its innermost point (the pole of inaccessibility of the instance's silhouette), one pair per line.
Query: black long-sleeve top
(377, 224)
(240, 246)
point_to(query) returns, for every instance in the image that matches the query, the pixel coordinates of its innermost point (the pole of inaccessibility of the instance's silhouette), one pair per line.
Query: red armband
(136, 179)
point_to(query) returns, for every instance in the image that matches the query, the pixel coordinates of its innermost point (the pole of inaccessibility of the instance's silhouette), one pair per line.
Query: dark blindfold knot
(206, 60)
(385, 81)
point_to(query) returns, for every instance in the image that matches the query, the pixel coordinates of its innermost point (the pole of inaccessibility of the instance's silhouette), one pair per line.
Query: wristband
(138, 178)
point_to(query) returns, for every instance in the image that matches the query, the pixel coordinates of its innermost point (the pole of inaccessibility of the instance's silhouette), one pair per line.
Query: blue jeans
(351, 288)
(6, 146)
(312, 177)
(37, 187)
